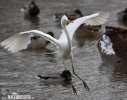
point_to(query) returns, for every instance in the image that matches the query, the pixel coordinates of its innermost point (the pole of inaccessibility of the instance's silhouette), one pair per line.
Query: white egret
(64, 43)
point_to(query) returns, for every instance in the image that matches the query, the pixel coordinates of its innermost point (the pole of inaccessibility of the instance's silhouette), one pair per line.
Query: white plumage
(20, 41)
(94, 19)
(64, 43)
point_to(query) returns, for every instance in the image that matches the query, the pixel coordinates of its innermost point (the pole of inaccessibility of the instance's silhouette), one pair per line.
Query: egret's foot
(74, 90)
(84, 83)
(86, 86)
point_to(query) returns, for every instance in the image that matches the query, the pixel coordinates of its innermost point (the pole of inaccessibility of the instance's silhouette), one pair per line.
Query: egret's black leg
(84, 83)
(74, 90)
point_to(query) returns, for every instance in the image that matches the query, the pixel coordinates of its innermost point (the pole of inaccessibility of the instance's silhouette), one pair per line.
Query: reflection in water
(30, 12)
(64, 79)
(120, 72)
(109, 59)
(47, 83)
(26, 19)
(67, 85)
(114, 79)
(48, 52)
(34, 23)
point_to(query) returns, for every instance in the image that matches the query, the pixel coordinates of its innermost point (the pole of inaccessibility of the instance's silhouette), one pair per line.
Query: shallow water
(106, 78)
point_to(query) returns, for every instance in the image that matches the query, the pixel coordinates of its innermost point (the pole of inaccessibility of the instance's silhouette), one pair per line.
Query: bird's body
(31, 11)
(71, 15)
(64, 43)
(87, 31)
(117, 43)
(38, 42)
(65, 76)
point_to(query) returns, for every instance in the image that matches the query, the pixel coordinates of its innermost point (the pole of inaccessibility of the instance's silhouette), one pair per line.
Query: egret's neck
(67, 34)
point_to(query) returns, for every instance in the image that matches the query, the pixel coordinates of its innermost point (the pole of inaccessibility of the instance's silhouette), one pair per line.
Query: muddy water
(106, 78)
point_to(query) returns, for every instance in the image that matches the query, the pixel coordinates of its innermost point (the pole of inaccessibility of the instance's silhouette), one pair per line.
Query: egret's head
(65, 20)
(66, 74)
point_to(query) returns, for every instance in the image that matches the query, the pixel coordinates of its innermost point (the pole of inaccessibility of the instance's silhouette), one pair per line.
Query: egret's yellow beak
(69, 21)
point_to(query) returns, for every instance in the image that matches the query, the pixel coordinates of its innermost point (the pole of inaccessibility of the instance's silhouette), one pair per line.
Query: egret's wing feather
(94, 19)
(20, 41)
(97, 19)
(43, 35)
(16, 42)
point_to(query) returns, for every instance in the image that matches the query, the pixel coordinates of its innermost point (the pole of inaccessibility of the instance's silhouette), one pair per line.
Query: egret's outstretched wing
(20, 41)
(94, 19)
